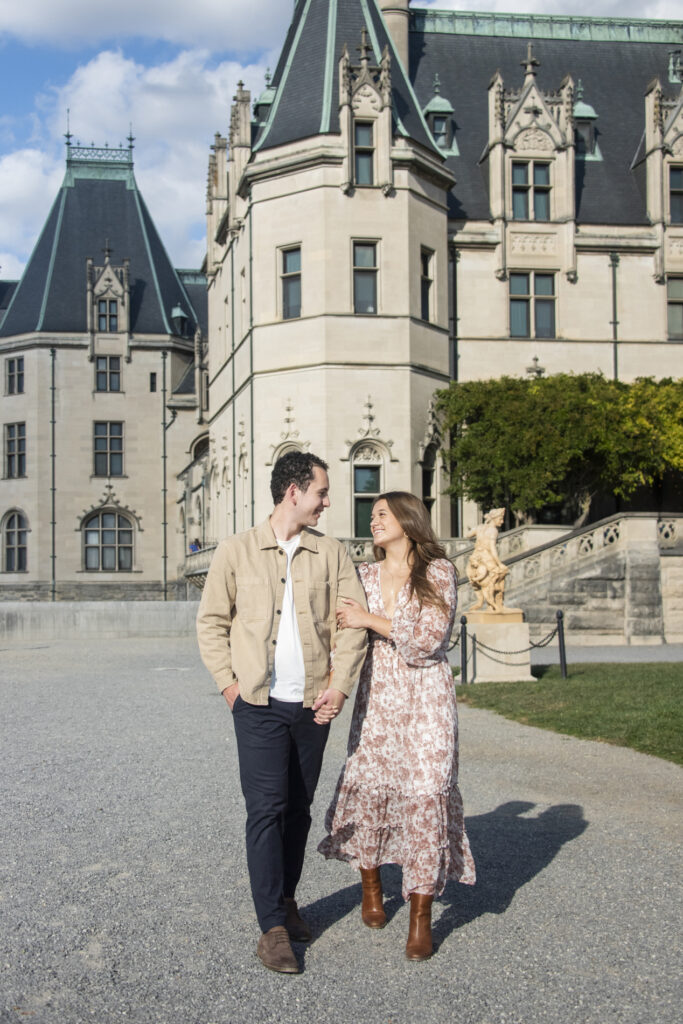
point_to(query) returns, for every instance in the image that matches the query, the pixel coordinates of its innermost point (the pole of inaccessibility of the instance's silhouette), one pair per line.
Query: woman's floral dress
(397, 799)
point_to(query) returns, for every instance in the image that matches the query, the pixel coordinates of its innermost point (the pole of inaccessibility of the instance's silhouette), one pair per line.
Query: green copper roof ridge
(546, 26)
(152, 265)
(329, 67)
(285, 75)
(53, 257)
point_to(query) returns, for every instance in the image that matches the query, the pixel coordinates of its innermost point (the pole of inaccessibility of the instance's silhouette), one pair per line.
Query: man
(266, 625)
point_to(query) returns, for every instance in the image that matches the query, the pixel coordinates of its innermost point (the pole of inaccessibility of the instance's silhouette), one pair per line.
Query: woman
(397, 799)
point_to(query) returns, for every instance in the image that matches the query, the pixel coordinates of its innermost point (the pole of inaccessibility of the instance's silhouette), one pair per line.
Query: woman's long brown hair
(414, 520)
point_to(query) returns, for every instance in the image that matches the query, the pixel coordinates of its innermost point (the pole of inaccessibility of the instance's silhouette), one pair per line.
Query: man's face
(312, 502)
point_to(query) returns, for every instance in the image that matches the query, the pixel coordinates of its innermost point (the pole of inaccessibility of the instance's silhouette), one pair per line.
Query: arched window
(14, 537)
(108, 542)
(200, 447)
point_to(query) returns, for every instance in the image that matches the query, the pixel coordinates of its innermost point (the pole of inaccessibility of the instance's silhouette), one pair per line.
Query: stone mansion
(415, 197)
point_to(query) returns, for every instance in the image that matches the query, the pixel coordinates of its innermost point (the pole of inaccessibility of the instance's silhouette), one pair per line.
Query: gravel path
(125, 894)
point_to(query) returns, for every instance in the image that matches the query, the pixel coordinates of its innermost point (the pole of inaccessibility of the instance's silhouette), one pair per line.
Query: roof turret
(98, 210)
(306, 80)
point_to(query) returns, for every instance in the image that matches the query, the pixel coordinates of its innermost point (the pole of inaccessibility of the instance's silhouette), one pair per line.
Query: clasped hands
(327, 704)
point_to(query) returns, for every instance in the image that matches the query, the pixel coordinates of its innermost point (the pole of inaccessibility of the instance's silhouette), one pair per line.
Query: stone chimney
(397, 19)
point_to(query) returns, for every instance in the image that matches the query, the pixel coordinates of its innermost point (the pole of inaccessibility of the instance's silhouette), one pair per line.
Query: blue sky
(170, 68)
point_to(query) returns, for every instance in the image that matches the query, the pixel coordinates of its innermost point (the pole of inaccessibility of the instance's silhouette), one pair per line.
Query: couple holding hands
(286, 626)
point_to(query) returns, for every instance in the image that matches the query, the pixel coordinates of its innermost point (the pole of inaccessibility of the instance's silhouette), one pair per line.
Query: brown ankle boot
(372, 911)
(419, 945)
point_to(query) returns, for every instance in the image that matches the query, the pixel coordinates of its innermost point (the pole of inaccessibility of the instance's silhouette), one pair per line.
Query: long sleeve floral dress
(397, 799)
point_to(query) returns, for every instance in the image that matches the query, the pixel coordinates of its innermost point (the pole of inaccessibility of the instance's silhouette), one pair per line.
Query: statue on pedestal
(485, 570)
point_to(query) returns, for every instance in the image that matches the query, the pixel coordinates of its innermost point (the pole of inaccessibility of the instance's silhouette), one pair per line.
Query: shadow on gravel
(509, 849)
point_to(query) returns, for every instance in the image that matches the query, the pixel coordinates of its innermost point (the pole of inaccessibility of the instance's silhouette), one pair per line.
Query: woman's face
(384, 525)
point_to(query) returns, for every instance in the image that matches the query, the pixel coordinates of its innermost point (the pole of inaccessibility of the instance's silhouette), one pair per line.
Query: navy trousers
(280, 750)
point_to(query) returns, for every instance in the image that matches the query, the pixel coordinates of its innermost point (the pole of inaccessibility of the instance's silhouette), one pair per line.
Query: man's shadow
(509, 850)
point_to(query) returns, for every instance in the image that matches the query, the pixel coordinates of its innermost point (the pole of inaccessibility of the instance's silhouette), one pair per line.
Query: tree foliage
(558, 440)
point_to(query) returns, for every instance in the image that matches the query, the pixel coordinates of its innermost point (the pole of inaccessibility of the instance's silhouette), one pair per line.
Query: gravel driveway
(125, 894)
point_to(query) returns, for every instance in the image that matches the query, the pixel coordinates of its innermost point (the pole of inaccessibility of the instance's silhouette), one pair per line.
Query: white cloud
(175, 108)
(29, 181)
(222, 24)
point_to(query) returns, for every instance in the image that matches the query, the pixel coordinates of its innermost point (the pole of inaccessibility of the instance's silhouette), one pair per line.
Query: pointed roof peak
(306, 80)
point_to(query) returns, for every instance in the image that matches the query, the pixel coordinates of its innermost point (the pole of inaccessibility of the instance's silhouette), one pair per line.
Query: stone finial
(531, 63)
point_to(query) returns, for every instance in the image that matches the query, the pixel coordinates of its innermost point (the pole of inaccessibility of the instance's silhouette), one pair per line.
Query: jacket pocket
(319, 596)
(252, 602)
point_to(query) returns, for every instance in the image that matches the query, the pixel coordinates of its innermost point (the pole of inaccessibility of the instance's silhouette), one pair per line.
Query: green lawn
(637, 706)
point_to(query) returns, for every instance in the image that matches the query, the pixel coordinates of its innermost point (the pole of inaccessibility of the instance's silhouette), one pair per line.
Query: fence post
(560, 639)
(474, 657)
(463, 649)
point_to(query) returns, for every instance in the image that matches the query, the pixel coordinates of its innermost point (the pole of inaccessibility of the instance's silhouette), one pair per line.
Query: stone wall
(672, 595)
(44, 620)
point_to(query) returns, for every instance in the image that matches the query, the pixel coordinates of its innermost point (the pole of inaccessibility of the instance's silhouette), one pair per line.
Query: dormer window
(107, 316)
(440, 130)
(530, 190)
(585, 138)
(363, 153)
(439, 115)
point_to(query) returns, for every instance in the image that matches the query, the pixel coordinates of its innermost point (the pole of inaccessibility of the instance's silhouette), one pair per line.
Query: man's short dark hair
(293, 468)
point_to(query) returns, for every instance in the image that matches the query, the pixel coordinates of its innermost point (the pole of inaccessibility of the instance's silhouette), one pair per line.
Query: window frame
(107, 316)
(107, 451)
(533, 301)
(287, 278)
(364, 272)
(109, 373)
(364, 496)
(18, 548)
(14, 375)
(15, 450)
(675, 302)
(427, 262)
(365, 152)
(118, 546)
(676, 193)
(531, 190)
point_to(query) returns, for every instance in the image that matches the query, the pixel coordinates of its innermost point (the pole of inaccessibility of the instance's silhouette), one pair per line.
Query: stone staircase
(619, 580)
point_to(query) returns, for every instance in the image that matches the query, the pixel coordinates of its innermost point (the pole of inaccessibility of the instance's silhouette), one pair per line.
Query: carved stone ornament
(110, 503)
(368, 431)
(533, 139)
(677, 147)
(537, 245)
(366, 97)
(367, 453)
(289, 437)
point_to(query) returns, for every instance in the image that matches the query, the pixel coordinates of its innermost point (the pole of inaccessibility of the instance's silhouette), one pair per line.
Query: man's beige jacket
(239, 613)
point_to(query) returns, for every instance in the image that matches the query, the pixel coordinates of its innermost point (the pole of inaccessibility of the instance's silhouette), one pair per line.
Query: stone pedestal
(505, 631)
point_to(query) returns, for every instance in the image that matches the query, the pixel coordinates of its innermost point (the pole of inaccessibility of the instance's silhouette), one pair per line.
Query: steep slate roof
(615, 61)
(98, 204)
(306, 80)
(7, 289)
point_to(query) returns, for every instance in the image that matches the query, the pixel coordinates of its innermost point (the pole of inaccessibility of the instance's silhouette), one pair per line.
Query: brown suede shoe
(297, 929)
(275, 952)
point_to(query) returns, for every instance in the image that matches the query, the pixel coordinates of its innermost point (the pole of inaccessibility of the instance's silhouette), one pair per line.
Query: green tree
(558, 440)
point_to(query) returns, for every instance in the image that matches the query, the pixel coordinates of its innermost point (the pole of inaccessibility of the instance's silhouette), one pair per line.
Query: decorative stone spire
(530, 64)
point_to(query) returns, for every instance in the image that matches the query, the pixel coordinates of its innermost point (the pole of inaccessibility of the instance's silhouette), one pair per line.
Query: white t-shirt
(289, 673)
